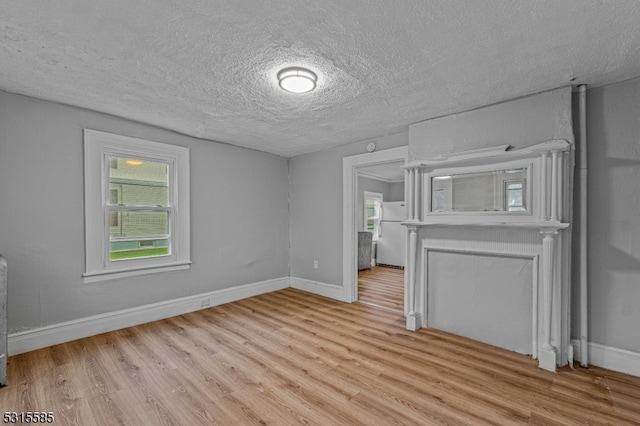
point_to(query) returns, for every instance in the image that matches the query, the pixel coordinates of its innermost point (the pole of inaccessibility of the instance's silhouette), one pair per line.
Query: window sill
(91, 277)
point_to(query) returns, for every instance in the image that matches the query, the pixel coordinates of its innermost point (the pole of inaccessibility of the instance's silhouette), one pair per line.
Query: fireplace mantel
(504, 203)
(547, 225)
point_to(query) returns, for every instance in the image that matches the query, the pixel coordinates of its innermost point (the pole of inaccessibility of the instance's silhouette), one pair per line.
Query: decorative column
(547, 353)
(413, 317)
(416, 196)
(543, 186)
(410, 191)
(559, 189)
(554, 185)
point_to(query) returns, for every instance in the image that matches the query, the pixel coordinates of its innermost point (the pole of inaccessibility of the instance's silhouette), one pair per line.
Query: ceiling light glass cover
(297, 80)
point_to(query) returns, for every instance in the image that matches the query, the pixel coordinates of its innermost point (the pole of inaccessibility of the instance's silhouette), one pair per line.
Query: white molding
(331, 291)
(97, 147)
(546, 180)
(54, 334)
(528, 164)
(349, 220)
(616, 359)
(112, 275)
(489, 152)
(470, 223)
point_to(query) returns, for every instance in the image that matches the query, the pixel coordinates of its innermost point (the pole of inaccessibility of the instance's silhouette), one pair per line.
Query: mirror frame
(526, 164)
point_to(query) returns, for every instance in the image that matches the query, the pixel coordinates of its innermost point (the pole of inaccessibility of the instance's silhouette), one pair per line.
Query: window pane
(515, 200)
(370, 225)
(138, 234)
(139, 224)
(372, 213)
(372, 207)
(134, 182)
(132, 249)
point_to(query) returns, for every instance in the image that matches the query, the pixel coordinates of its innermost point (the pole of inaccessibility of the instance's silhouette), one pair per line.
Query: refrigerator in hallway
(391, 240)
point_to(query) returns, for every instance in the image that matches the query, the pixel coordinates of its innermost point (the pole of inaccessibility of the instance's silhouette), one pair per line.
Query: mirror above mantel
(496, 191)
(492, 185)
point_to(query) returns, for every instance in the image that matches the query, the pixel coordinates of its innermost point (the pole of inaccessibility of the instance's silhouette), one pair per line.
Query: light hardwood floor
(290, 357)
(383, 287)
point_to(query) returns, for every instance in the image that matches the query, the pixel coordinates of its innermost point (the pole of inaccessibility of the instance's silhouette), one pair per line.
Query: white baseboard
(611, 358)
(331, 291)
(42, 337)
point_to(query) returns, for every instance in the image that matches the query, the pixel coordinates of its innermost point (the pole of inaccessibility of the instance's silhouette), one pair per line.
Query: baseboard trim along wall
(331, 291)
(611, 358)
(42, 337)
(616, 359)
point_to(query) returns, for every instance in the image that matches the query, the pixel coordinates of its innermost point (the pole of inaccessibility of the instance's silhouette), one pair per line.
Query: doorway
(353, 219)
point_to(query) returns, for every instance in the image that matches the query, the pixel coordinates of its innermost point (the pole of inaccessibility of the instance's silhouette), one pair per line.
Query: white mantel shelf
(543, 226)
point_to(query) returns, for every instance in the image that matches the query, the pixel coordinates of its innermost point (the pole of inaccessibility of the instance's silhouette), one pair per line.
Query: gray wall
(239, 216)
(520, 123)
(316, 208)
(396, 192)
(613, 131)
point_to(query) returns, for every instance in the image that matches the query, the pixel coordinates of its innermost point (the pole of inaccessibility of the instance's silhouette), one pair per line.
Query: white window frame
(98, 147)
(506, 190)
(376, 227)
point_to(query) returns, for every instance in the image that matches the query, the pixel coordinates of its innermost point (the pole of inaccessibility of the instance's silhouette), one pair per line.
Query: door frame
(350, 167)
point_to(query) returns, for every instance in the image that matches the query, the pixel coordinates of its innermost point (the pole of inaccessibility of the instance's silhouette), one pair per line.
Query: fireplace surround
(489, 247)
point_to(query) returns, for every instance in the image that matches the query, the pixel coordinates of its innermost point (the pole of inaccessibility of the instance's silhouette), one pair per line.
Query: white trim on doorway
(350, 167)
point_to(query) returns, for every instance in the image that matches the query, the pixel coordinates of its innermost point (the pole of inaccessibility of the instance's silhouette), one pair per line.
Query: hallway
(382, 287)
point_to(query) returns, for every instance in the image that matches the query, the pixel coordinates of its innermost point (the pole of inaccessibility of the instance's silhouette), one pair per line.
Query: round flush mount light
(297, 80)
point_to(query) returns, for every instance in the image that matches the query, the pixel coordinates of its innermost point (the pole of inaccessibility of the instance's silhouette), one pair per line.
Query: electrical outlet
(205, 302)
(315, 264)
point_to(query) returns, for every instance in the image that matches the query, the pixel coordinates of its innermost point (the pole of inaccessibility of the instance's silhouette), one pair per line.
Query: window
(514, 196)
(372, 203)
(136, 206)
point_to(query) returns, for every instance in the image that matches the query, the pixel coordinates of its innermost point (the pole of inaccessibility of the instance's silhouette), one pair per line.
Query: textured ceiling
(207, 68)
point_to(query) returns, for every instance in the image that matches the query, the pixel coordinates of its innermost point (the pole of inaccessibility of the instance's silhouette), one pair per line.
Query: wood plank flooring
(383, 287)
(288, 358)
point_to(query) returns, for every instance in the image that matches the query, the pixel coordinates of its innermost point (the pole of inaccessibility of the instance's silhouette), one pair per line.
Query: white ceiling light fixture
(297, 80)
